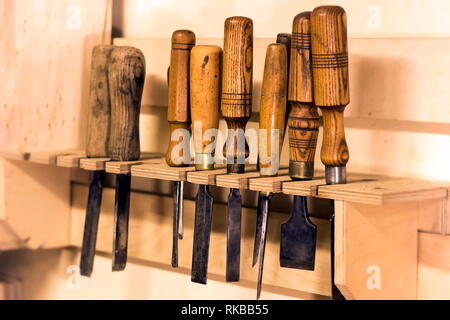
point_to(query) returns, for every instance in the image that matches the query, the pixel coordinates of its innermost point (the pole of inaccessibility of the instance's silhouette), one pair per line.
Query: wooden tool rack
(378, 246)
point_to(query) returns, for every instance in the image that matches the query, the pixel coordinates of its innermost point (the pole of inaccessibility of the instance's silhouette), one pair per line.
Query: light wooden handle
(331, 82)
(178, 113)
(126, 75)
(205, 77)
(236, 102)
(303, 118)
(273, 109)
(99, 108)
(285, 39)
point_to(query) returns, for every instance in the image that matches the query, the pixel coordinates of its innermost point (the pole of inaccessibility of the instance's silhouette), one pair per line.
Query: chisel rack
(379, 251)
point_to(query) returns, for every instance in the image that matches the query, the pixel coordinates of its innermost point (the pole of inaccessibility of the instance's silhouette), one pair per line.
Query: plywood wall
(45, 59)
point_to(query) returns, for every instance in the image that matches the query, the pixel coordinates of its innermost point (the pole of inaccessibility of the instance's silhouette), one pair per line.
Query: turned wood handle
(285, 39)
(178, 113)
(272, 109)
(205, 77)
(99, 108)
(236, 101)
(331, 82)
(303, 117)
(126, 75)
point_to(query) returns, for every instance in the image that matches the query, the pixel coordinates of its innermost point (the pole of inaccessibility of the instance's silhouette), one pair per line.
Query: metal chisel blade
(121, 217)
(180, 211)
(177, 197)
(298, 238)
(234, 214)
(91, 223)
(258, 229)
(265, 203)
(202, 233)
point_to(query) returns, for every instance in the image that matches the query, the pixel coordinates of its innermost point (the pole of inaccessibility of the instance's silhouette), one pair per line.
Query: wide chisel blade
(176, 221)
(234, 213)
(258, 229)
(121, 216)
(91, 223)
(298, 238)
(202, 232)
(265, 204)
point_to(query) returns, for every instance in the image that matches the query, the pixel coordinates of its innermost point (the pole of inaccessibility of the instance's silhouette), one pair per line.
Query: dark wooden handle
(303, 118)
(236, 102)
(331, 82)
(99, 108)
(178, 113)
(205, 77)
(126, 75)
(273, 109)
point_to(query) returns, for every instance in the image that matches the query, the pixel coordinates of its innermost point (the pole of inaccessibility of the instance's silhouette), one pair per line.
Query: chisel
(99, 113)
(236, 107)
(284, 39)
(178, 116)
(271, 130)
(126, 75)
(298, 234)
(331, 95)
(205, 76)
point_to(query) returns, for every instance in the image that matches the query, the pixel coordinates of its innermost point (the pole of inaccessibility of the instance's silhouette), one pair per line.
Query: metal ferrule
(235, 168)
(301, 170)
(335, 174)
(204, 161)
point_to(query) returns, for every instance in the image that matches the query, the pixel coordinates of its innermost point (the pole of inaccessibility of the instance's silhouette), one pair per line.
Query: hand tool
(205, 76)
(298, 234)
(126, 75)
(271, 130)
(179, 118)
(99, 113)
(236, 107)
(284, 39)
(331, 95)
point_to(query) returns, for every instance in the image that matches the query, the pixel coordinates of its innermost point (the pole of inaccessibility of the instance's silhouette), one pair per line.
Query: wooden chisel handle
(205, 77)
(303, 118)
(178, 113)
(236, 102)
(273, 109)
(331, 85)
(126, 75)
(99, 108)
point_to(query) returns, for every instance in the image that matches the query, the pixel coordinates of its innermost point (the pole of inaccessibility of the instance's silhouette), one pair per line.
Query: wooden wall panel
(45, 54)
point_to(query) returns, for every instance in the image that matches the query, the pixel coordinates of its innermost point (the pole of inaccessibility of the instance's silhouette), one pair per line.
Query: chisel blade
(177, 200)
(265, 204)
(121, 216)
(202, 233)
(234, 213)
(335, 292)
(91, 223)
(180, 211)
(259, 214)
(298, 238)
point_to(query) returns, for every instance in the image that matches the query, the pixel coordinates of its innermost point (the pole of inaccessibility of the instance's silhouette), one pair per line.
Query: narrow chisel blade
(234, 213)
(180, 211)
(265, 203)
(91, 223)
(202, 232)
(175, 221)
(335, 292)
(121, 216)
(258, 229)
(298, 238)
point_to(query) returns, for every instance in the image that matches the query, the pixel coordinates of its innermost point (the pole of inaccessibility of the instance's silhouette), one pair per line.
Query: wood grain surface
(236, 102)
(99, 108)
(205, 78)
(273, 109)
(303, 118)
(331, 82)
(178, 113)
(126, 74)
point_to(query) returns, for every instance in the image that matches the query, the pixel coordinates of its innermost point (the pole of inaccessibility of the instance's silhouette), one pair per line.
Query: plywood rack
(377, 222)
